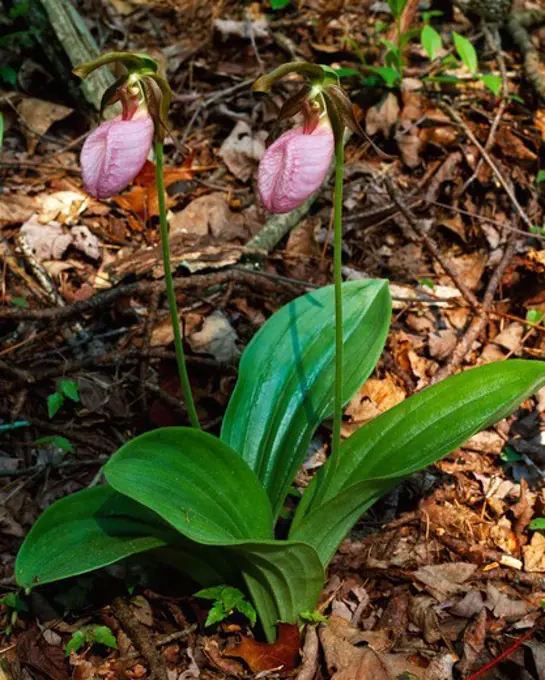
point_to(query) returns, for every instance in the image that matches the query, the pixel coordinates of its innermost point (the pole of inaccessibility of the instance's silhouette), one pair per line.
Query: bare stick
(501, 179)
(478, 323)
(430, 243)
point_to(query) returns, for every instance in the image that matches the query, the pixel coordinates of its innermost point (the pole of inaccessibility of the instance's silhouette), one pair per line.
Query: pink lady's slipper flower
(294, 166)
(114, 154)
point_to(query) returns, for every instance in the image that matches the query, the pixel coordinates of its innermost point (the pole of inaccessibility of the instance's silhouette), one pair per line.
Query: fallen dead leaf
(86, 241)
(534, 554)
(39, 115)
(469, 269)
(62, 206)
(511, 336)
(209, 214)
(442, 343)
(474, 639)
(383, 116)
(260, 656)
(216, 337)
(242, 150)
(347, 662)
(502, 606)
(32, 650)
(373, 398)
(302, 239)
(444, 580)
(46, 241)
(17, 208)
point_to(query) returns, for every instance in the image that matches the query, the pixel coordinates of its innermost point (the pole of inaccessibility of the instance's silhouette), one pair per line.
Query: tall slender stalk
(171, 296)
(337, 276)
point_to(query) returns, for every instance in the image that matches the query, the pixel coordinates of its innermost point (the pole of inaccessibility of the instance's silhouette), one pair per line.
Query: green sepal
(133, 62)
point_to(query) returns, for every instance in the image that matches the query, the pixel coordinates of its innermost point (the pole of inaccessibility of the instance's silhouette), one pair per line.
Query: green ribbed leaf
(285, 386)
(195, 482)
(410, 436)
(85, 531)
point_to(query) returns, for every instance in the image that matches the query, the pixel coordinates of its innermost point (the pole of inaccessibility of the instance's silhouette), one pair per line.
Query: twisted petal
(114, 154)
(294, 167)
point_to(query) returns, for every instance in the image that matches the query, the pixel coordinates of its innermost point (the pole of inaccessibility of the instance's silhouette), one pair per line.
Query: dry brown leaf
(469, 268)
(383, 116)
(442, 343)
(46, 241)
(444, 580)
(242, 150)
(502, 606)
(511, 336)
(487, 441)
(39, 116)
(534, 554)
(260, 656)
(373, 398)
(474, 639)
(16, 208)
(513, 148)
(302, 240)
(216, 337)
(347, 662)
(142, 199)
(440, 667)
(209, 214)
(62, 206)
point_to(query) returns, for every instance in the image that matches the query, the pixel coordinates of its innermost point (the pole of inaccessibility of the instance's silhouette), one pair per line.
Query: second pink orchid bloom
(294, 166)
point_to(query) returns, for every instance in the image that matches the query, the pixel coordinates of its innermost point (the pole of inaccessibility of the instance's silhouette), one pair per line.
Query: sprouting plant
(90, 635)
(14, 605)
(226, 601)
(116, 151)
(66, 389)
(209, 506)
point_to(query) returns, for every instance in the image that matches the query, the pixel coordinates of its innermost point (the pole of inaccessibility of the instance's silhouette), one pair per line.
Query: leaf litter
(445, 573)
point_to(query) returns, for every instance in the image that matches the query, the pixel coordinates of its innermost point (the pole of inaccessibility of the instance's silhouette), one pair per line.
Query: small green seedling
(58, 441)
(227, 600)
(314, 616)
(509, 455)
(101, 635)
(534, 317)
(16, 301)
(538, 524)
(279, 4)
(14, 606)
(540, 177)
(66, 389)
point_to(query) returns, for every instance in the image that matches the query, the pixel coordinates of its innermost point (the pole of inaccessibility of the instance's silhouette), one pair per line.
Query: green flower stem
(337, 276)
(180, 357)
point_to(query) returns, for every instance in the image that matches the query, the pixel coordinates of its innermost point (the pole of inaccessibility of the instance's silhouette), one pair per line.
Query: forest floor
(442, 576)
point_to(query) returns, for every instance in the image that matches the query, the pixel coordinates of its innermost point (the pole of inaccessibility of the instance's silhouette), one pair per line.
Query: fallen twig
(493, 39)
(139, 288)
(478, 323)
(310, 655)
(430, 243)
(501, 179)
(503, 655)
(141, 639)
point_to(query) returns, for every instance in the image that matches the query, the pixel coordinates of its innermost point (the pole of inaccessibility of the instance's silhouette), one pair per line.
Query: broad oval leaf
(285, 384)
(195, 482)
(410, 436)
(85, 531)
(284, 578)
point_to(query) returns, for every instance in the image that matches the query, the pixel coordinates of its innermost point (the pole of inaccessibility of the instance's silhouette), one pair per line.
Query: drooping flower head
(114, 153)
(296, 164)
